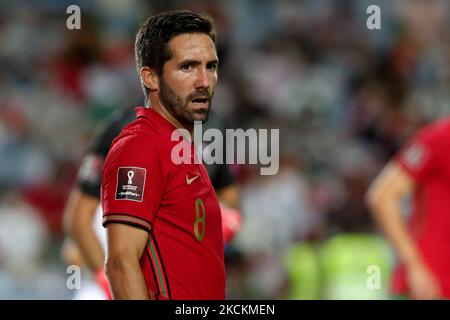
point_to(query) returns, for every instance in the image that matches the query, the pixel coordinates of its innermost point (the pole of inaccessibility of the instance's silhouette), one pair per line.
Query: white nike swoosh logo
(189, 181)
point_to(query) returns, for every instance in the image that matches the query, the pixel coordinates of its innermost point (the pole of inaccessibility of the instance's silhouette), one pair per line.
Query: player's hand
(102, 281)
(423, 284)
(231, 223)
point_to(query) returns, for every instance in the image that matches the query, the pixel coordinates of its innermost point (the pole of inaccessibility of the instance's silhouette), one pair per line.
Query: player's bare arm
(125, 247)
(78, 217)
(384, 199)
(71, 254)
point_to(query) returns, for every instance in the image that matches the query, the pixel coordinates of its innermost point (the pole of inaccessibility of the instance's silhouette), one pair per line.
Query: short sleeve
(89, 174)
(132, 183)
(419, 156)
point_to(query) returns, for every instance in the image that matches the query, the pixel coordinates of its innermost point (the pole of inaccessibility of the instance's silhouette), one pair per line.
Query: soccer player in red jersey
(85, 241)
(163, 219)
(422, 170)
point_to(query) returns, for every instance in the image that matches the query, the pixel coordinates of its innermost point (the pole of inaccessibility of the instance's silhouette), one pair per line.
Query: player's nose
(202, 80)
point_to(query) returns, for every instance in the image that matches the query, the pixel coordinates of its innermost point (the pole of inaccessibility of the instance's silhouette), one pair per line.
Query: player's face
(189, 77)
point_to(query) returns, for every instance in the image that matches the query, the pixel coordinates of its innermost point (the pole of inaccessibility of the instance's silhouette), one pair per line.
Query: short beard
(179, 108)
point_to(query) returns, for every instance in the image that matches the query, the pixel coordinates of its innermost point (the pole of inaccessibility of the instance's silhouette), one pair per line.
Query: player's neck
(170, 118)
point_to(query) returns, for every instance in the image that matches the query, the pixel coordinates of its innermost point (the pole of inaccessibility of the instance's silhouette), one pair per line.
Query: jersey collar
(162, 123)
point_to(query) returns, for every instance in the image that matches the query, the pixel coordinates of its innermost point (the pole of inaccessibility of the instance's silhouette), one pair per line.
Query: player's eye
(212, 66)
(186, 67)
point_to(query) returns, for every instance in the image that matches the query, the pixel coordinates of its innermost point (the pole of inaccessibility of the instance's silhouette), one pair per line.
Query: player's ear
(149, 78)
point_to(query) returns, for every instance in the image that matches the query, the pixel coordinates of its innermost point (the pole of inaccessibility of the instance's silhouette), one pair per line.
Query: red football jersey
(175, 203)
(427, 160)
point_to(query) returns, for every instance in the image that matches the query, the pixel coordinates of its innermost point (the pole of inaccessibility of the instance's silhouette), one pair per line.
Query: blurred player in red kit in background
(420, 170)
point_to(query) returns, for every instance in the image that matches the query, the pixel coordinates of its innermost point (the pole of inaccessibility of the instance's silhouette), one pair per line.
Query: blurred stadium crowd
(344, 98)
